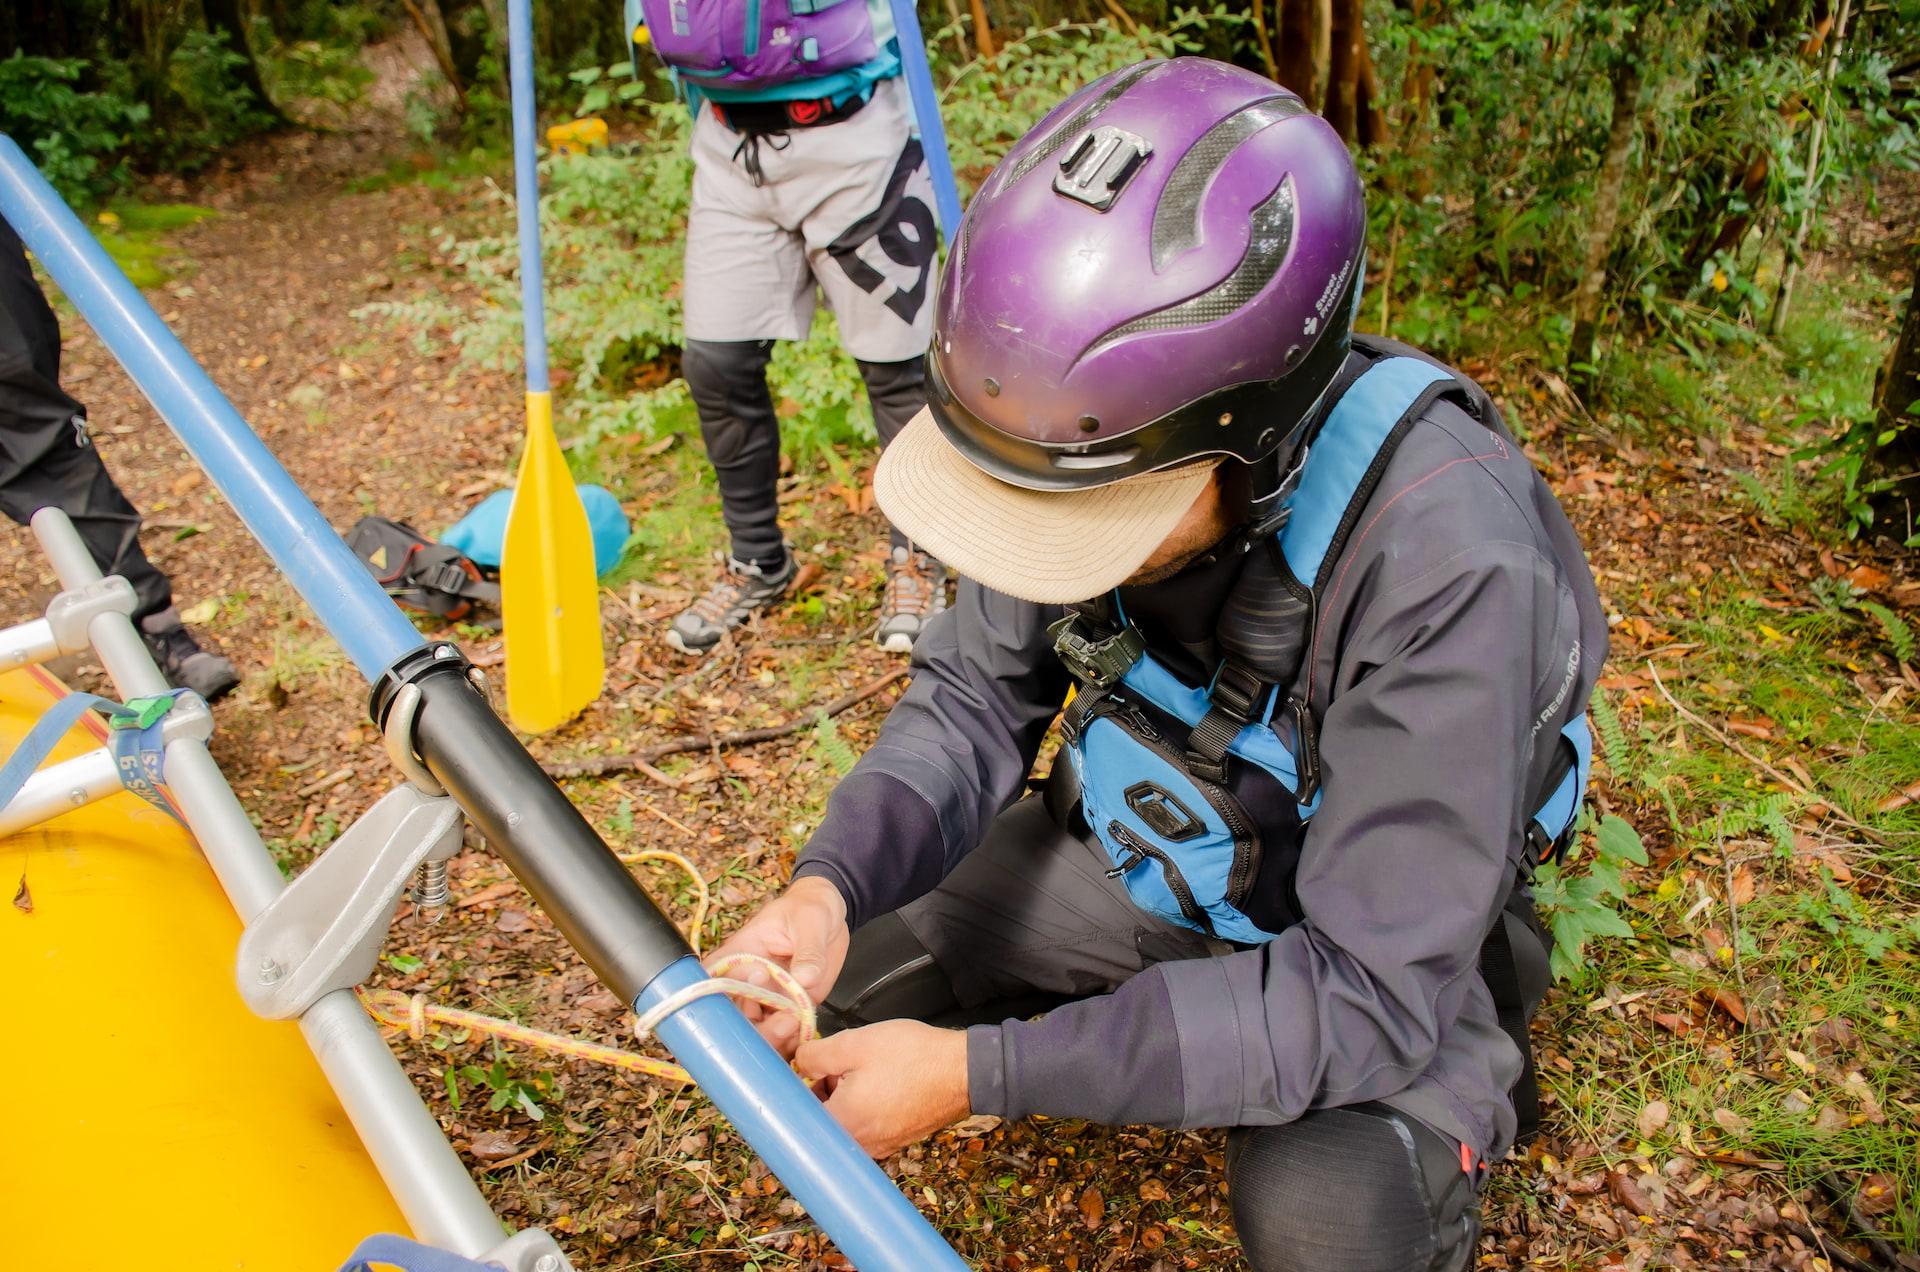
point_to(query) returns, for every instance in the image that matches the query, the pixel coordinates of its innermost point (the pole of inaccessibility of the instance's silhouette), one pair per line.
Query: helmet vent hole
(1267, 438)
(1226, 418)
(993, 387)
(1293, 356)
(1089, 424)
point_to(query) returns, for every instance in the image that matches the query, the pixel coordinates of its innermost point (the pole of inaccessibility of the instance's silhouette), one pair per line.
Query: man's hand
(891, 1083)
(804, 929)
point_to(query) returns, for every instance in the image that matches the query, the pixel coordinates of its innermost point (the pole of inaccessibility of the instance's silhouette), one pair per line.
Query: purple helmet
(1165, 268)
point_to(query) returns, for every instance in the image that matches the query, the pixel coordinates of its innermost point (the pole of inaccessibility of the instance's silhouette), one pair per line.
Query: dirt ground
(630, 1172)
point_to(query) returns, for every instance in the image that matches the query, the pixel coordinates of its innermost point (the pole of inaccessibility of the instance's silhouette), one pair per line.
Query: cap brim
(1052, 547)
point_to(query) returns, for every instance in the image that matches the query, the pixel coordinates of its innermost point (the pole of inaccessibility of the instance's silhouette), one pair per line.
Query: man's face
(1207, 522)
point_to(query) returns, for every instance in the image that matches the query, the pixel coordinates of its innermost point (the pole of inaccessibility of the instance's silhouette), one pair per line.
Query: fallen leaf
(1829, 1120)
(693, 777)
(1878, 1194)
(977, 1125)
(492, 892)
(1153, 1190)
(1652, 1119)
(187, 481)
(204, 612)
(511, 920)
(1152, 1239)
(1907, 795)
(1868, 579)
(493, 1146)
(1674, 1022)
(1730, 1122)
(1093, 1207)
(23, 899)
(1856, 1086)
(601, 1002)
(1751, 730)
(1729, 1002)
(1742, 886)
(1629, 1194)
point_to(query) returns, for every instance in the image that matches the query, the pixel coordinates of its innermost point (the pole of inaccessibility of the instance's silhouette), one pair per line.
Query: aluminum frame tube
(61, 788)
(442, 1204)
(28, 644)
(355, 609)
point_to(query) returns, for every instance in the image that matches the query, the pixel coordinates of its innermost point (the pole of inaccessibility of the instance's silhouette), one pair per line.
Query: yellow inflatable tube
(153, 1122)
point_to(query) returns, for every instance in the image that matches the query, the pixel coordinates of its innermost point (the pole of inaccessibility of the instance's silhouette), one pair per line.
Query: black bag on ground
(418, 573)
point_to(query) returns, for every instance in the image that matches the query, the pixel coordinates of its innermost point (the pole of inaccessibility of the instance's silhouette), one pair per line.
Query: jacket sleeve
(954, 752)
(1427, 744)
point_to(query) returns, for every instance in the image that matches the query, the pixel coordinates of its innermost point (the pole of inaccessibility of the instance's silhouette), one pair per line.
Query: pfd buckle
(1097, 664)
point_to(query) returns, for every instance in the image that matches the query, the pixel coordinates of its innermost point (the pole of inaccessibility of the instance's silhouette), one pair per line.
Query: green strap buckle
(141, 713)
(1098, 664)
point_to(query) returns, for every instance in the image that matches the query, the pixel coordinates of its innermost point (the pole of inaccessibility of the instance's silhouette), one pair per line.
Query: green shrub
(76, 138)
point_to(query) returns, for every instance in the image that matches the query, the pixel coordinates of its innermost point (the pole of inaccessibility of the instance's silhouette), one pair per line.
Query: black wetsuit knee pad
(1360, 1189)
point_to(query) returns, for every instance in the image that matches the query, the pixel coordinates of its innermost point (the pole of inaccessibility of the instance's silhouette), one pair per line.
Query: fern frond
(832, 747)
(1613, 738)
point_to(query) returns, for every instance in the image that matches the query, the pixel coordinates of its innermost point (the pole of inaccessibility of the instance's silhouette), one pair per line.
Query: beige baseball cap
(1052, 547)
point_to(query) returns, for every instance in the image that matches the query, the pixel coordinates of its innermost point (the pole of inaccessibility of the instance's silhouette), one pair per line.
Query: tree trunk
(1348, 36)
(224, 17)
(433, 29)
(1606, 209)
(1897, 510)
(1306, 34)
(982, 32)
(1260, 32)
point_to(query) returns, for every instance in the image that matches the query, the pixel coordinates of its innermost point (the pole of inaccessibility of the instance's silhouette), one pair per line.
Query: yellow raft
(153, 1122)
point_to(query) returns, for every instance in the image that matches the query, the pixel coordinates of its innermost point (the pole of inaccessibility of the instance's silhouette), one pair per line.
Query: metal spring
(431, 891)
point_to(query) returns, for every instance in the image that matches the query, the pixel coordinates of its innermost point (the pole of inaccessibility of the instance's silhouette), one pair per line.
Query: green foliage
(1581, 907)
(832, 747)
(77, 138)
(1612, 737)
(211, 108)
(504, 1085)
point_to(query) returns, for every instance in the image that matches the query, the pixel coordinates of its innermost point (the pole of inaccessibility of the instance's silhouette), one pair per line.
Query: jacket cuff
(1113, 1059)
(986, 1071)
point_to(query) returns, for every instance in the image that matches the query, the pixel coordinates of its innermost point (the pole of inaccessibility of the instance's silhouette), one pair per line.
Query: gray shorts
(845, 207)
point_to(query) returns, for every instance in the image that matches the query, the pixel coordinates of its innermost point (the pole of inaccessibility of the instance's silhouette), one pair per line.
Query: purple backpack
(746, 45)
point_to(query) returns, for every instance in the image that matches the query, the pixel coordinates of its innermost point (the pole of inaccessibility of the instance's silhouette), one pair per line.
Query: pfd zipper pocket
(1138, 720)
(1139, 851)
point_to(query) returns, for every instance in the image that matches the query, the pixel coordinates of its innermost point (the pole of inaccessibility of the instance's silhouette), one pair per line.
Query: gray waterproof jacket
(1460, 632)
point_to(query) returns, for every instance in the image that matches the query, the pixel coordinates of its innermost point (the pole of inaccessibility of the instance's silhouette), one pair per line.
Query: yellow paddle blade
(549, 600)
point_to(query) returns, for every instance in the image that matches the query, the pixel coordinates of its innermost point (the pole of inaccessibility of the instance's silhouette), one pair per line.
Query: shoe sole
(673, 638)
(895, 643)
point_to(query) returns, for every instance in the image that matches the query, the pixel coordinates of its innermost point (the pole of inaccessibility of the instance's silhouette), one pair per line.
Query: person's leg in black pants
(1029, 921)
(728, 381)
(47, 460)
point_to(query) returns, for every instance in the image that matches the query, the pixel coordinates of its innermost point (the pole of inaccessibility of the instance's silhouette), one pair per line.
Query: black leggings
(728, 381)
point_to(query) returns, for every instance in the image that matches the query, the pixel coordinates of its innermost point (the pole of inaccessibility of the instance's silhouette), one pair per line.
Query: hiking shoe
(739, 591)
(916, 591)
(182, 661)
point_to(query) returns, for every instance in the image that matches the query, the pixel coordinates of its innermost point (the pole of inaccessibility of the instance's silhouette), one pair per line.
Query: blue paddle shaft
(526, 190)
(926, 113)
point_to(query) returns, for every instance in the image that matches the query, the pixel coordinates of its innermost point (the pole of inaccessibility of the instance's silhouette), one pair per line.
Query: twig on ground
(1843, 1196)
(1784, 779)
(540, 1146)
(634, 761)
(1831, 1249)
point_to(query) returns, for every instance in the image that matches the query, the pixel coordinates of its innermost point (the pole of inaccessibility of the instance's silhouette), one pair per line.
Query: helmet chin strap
(1270, 479)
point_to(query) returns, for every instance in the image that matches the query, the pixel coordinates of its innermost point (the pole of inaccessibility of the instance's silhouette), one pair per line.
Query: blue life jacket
(1189, 832)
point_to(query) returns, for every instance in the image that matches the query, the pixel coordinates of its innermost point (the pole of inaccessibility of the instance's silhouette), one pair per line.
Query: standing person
(806, 173)
(1330, 638)
(48, 460)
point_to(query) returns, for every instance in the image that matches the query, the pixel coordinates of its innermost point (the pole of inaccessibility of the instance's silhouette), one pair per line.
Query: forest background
(1676, 239)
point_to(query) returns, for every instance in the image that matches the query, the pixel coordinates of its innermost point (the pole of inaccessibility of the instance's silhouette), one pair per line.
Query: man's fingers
(825, 1057)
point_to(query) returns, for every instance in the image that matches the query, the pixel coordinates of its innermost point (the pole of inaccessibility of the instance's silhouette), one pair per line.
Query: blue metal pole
(847, 1195)
(926, 113)
(354, 608)
(526, 189)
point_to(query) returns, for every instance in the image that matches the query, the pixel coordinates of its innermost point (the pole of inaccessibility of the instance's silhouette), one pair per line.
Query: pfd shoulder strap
(1267, 624)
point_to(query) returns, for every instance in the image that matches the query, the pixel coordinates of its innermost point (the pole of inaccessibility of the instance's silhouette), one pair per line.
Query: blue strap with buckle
(139, 749)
